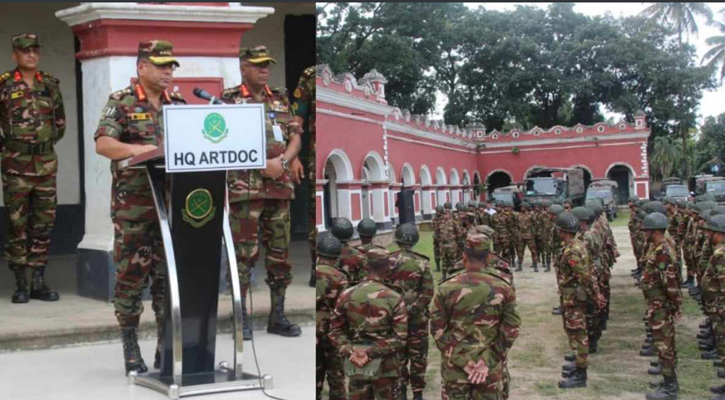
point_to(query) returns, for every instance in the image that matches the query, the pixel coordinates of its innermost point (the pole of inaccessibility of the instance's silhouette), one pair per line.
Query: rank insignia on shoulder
(17, 95)
(140, 116)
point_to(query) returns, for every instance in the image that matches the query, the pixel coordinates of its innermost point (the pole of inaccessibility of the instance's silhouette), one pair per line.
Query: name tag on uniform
(140, 116)
(278, 136)
(17, 95)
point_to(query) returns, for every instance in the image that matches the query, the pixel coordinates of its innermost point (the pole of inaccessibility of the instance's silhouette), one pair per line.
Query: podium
(193, 214)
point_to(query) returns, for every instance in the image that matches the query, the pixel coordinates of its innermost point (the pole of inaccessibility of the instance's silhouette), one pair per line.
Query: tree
(716, 54)
(665, 157)
(680, 16)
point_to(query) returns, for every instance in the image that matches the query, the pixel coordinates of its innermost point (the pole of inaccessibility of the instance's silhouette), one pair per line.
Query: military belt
(30, 149)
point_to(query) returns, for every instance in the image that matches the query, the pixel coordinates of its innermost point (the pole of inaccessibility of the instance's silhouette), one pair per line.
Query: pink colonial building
(368, 150)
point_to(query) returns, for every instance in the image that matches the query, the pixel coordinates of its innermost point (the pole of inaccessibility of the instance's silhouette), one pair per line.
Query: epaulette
(309, 72)
(48, 76)
(5, 76)
(119, 94)
(176, 96)
(230, 91)
(423, 256)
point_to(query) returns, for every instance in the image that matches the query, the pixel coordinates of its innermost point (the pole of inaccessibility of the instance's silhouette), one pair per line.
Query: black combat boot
(417, 395)
(38, 289)
(313, 277)
(706, 344)
(246, 321)
(718, 364)
(647, 351)
(721, 373)
(706, 324)
(570, 358)
(577, 380)
(594, 344)
(131, 351)
(655, 370)
(536, 268)
(690, 282)
(709, 355)
(654, 363)
(21, 285)
(159, 342)
(278, 322)
(668, 390)
(717, 389)
(547, 267)
(570, 366)
(520, 267)
(704, 334)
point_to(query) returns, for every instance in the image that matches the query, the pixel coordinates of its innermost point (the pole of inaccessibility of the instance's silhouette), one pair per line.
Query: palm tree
(716, 54)
(682, 17)
(665, 156)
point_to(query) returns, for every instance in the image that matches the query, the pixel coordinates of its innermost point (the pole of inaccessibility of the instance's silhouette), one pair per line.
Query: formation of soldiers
(376, 311)
(665, 235)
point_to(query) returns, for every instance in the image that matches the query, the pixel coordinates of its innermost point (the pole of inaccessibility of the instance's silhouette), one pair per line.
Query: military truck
(714, 185)
(608, 191)
(555, 184)
(510, 194)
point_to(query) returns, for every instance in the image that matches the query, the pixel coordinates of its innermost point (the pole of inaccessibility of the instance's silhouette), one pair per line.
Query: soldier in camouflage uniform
(543, 231)
(593, 245)
(369, 328)
(555, 245)
(527, 231)
(513, 227)
(608, 254)
(352, 260)
(436, 240)
(367, 229)
(688, 245)
(261, 198)
(502, 221)
(713, 282)
(132, 124)
(32, 121)
(449, 232)
(674, 218)
(304, 109)
(329, 283)
(661, 289)
(577, 289)
(411, 272)
(475, 322)
(632, 203)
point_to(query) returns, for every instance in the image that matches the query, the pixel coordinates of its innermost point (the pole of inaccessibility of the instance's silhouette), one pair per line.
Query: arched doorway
(337, 169)
(587, 174)
(373, 199)
(497, 179)
(441, 181)
(624, 177)
(477, 185)
(426, 181)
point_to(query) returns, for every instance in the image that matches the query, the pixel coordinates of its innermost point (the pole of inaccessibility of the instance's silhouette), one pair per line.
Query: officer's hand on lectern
(298, 171)
(143, 148)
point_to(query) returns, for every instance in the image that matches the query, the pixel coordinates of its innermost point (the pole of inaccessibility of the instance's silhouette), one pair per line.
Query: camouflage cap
(478, 242)
(159, 52)
(256, 54)
(25, 40)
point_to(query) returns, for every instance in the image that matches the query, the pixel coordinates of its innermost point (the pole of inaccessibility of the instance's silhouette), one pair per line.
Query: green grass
(622, 218)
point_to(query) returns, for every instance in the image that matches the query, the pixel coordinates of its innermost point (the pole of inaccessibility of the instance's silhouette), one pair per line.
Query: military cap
(328, 246)
(256, 54)
(582, 214)
(367, 228)
(342, 228)
(159, 52)
(24, 40)
(447, 205)
(407, 234)
(655, 221)
(567, 222)
(478, 242)
(485, 229)
(633, 199)
(556, 209)
(716, 223)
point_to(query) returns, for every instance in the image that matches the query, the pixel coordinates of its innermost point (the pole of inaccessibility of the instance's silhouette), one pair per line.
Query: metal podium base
(221, 380)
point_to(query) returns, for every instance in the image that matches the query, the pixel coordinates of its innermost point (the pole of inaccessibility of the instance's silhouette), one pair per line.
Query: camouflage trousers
(448, 259)
(415, 355)
(663, 336)
(505, 250)
(30, 206)
(594, 315)
(273, 217)
(575, 326)
(542, 247)
(689, 261)
(453, 390)
(718, 324)
(521, 246)
(505, 381)
(329, 365)
(373, 389)
(138, 253)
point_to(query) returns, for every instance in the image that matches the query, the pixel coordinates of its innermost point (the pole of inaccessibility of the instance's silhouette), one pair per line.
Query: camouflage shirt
(371, 314)
(448, 231)
(250, 184)
(575, 280)
(660, 283)
(474, 317)
(30, 116)
(352, 263)
(410, 271)
(130, 118)
(527, 225)
(713, 282)
(304, 95)
(329, 284)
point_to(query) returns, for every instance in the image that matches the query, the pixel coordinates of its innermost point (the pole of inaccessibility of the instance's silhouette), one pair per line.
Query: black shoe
(654, 363)
(709, 355)
(246, 322)
(577, 380)
(706, 324)
(570, 358)
(718, 364)
(556, 311)
(21, 285)
(656, 384)
(668, 390)
(647, 351)
(655, 370)
(717, 389)
(278, 322)
(705, 347)
(157, 359)
(704, 335)
(571, 366)
(418, 396)
(131, 351)
(313, 277)
(536, 268)
(38, 288)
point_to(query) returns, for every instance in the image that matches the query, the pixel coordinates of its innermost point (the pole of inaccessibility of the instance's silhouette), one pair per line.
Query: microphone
(203, 94)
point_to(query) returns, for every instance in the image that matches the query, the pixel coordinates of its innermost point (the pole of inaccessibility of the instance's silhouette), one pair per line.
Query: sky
(711, 103)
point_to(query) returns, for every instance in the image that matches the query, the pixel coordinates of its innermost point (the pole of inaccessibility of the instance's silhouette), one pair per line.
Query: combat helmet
(583, 214)
(406, 234)
(328, 246)
(669, 200)
(595, 207)
(567, 222)
(342, 229)
(439, 208)
(655, 221)
(656, 207)
(717, 210)
(633, 199)
(447, 205)
(460, 206)
(716, 223)
(472, 204)
(367, 228)
(556, 209)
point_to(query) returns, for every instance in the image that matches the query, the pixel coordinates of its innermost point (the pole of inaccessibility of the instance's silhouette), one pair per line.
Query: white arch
(584, 167)
(466, 178)
(526, 174)
(407, 176)
(341, 162)
(441, 177)
(425, 178)
(622, 163)
(511, 177)
(455, 179)
(375, 165)
(393, 175)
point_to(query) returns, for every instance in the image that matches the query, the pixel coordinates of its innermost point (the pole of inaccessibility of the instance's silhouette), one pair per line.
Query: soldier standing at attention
(436, 236)
(513, 227)
(661, 289)
(329, 283)
(32, 121)
(713, 281)
(367, 229)
(410, 271)
(369, 328)
(526, 229)
(449, 233)
(261, 198)
(132, 124)
(474, 322)
(503, 235)
(352, 260)
(555, 245)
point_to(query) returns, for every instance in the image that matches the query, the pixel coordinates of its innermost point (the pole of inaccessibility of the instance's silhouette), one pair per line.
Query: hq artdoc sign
(215, 137)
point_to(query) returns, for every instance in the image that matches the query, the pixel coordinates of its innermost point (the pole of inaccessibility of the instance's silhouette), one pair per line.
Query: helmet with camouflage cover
(328, 245)
(642, 202)
(718, 210)
(556, 209)
(460, 206)
(342, 229)
(482, 204)
(641, 215)
(473, 204)
(567, 222)
(705, 197)
(655, 221)
(656, 206)
(439, 208)
(706, 214)
(700, 208)
(367, 228)
(633, 199)
(669, 200)
(582, 214)
(595, 207)
(716, 223)
(406, 234)
(681, 203)
(447, 205)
